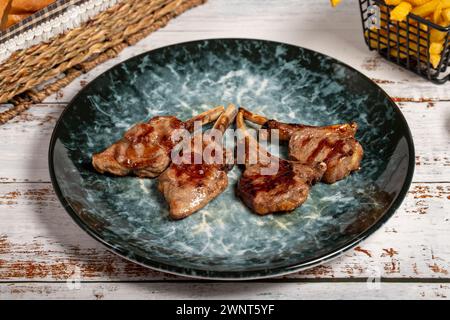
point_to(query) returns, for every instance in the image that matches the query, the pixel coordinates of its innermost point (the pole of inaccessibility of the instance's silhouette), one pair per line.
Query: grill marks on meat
(145, 148)
(328, 153)
(188, 187)
(282, 190)
(335, 145)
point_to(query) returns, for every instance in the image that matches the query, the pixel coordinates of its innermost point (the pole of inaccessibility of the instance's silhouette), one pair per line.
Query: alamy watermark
(373, 17)
(207, 147)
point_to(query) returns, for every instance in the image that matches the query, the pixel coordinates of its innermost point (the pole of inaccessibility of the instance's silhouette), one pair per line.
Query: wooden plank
(428, 122)
(311, 24)
(225, 291)
(24, 143)
(400, 84)
(39, 241)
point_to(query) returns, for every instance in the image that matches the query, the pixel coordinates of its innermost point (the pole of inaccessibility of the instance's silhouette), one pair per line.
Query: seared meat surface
(145, 148)
(281, 192)
(335, 145)
(189, 186)
(283, 189)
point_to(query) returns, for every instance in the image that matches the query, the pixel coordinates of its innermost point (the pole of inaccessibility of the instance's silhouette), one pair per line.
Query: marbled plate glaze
(225, 240)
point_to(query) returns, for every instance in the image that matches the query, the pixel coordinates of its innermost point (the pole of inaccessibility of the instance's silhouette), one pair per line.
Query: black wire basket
(416, 44)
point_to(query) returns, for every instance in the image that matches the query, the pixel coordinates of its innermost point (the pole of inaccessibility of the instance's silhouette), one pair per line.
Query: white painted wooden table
(42, 250)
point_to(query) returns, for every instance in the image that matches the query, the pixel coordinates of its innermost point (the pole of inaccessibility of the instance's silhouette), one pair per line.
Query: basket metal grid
(405, 43)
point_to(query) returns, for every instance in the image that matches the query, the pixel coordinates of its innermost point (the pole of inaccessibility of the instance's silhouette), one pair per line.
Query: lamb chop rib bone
(335, 145)
(188, 187)
(145, 148)
(283, 190)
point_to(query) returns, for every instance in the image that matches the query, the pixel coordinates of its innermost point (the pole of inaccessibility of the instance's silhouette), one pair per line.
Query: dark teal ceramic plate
(225, 240)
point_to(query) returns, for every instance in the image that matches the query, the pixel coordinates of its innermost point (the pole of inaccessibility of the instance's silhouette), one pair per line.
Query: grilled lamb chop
(145, 148)
(284, 190)
(189, 186)
(335, 145)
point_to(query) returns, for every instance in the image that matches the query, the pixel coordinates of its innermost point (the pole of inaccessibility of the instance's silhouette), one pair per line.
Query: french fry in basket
(334, 3)
(445, 4)
(436, 47)
(426, 9)
(446, 16)
(437, 14)
(395, 53)
(409, 38)
(393, 2)
(416, 2)
(401, 11)
(436, 35)
(435, 59)
(374, 42)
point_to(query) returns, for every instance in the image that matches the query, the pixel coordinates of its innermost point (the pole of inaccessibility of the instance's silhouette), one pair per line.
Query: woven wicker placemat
(77, 51)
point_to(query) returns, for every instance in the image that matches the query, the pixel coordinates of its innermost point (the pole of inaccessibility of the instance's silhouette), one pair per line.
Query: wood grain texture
(39, 242)
(225, 291)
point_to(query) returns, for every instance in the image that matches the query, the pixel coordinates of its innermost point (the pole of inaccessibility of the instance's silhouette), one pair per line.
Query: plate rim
(252, 274)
